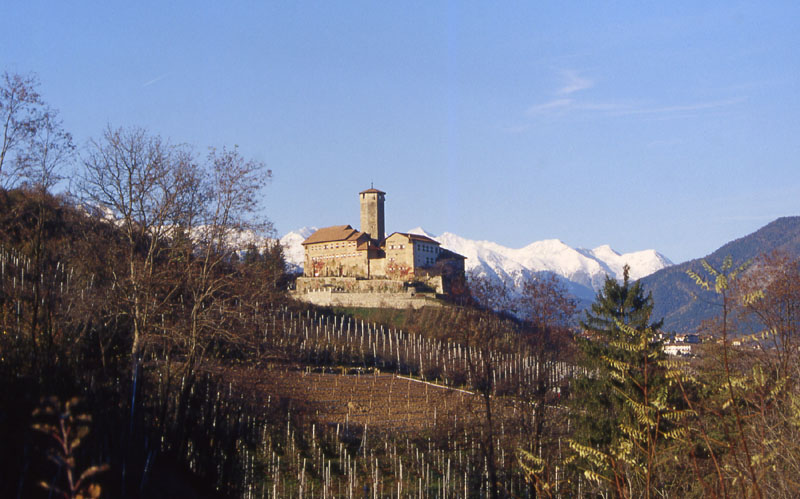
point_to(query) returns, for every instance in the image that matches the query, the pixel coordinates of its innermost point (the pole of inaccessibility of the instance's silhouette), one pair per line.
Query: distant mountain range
(679, 300)
(582, 271)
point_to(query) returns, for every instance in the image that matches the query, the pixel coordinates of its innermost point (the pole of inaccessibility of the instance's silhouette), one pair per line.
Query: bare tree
(48, 150)
(486, 333)
(34, 147)
(548, 311)
(141, 184)
(21, 111)
(737, 442)
(231, 195)
(769, 294)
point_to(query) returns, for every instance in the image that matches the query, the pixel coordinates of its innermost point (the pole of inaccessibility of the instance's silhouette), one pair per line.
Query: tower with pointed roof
(372, 214)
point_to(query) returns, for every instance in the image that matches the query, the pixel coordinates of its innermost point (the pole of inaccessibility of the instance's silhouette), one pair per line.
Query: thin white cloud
(574, 83)
(155, 80)
(607, 107)
(627, 109)
(698, 106)
(550, 105)
(566, 102)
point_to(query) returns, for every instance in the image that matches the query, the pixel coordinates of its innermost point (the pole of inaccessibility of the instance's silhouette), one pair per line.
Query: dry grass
(377, 400)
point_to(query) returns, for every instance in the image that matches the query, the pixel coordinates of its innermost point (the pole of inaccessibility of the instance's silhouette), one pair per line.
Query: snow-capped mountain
(293, 247)
(582, 271)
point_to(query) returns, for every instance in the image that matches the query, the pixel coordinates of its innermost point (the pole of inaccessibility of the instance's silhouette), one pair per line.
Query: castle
(343, 257)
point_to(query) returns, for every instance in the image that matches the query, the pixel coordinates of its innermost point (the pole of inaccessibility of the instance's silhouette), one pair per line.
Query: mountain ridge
(582, 271)
(676, 297)
(679, 300)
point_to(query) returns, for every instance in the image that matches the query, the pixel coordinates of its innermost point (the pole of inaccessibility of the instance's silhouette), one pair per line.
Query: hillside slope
(679, 300)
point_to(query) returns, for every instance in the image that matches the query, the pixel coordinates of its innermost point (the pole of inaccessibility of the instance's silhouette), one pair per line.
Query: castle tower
(372, 213)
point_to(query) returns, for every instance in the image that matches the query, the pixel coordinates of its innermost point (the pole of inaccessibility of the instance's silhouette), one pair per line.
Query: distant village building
(683, 349)
(681, 344)
(343, 252)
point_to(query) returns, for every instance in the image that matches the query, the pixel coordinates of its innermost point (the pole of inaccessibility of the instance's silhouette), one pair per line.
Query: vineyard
(330, 407)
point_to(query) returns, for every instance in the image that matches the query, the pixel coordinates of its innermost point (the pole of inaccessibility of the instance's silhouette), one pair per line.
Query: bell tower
(372, 213)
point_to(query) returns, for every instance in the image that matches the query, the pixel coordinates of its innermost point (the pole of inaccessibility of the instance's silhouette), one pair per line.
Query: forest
(146, 351)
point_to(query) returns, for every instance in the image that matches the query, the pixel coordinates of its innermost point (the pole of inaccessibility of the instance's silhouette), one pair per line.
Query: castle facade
(342, 251)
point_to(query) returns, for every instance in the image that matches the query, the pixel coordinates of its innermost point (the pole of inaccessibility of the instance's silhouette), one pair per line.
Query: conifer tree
(624, 408)
(624, 302)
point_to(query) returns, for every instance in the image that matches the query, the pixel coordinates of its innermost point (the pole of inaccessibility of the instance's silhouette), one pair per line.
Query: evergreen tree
(619, 302)
(624, 411)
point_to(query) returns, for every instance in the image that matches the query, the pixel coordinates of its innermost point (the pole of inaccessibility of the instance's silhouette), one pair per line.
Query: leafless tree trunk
(548, 310)
(485, 333)
(228, 214)
(141, 185)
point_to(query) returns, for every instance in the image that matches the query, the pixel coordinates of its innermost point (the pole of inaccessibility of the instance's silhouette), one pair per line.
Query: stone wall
(357, 285)
(349, 285)
(329, 298)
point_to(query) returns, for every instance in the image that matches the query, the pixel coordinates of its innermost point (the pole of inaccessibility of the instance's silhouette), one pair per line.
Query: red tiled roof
(334, 233)
(416, 237)
(372, 190)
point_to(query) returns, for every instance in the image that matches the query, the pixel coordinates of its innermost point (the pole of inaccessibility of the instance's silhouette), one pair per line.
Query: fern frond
(751, 298)
(594, 456)
(698, 279)
(678, 415)
(626, 346)
(531, 464)
(617, 364)
(595, 477)
(711, 270)
(741, 268)
(676, 434)
(632, 432)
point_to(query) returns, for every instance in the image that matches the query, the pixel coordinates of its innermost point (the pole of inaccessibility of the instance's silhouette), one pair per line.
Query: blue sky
(671, 126)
